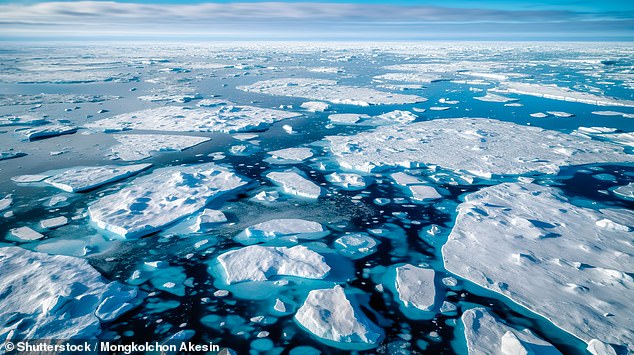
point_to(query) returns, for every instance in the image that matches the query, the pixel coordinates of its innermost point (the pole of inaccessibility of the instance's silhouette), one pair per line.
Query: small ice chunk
(6, 202)
(266, 196)
(613, 113)
(356, 245)
(347, 118)
(485, 334)
(423, 192)
(277, 228)
(294, 184)
(398, 116)
(25, 234)
(140, 146)
(25, 179)
(538, 115)
(258, 263)
(348, 181)
(439, 108)
(48, 131)
(333, 318)
(87, 178)
(315, 106)
(415, 287)
(288, 129)
(11, 154)
(560, 113)
(54, 222)
(495, 98)
(295, 154)
(208, 218)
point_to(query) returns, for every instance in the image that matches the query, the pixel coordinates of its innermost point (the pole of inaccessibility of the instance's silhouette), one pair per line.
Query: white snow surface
(165, 196)
(259, 263)
(226, 118)
(415, 287)
(485, 334)
(26, 234)
(560, 93)
(140, 146)
(328, 90)
(346, 118)
(569, 264)
(479, 146)
(86, 178)
(328, 314)
(54, 222)
(59, 297)
(296, 154)
(315, 106)
(350, 181)
(294, 184)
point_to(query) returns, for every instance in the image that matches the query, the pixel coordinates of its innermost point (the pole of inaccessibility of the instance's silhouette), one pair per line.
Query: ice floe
(165, 196)
(485, 334)
(418, 189)
(348, 181)
(569, 264)
(333, 318)
(397, 116)
(560, 93)
(295, 184)
(328, 90)
(48, 131)
(207, 219)
(58, 297)
(226, 118)
(625, 192)
(315, 106)
(278, 228)
(11, 154)
(6, 202)
(259, 263)
(87, 178)
(140, 146)
(54, 222)
(613, 113)
(356, 245)
(481, 147)
(346, 118)
(495, 98)
(292, 154)
(25, 234)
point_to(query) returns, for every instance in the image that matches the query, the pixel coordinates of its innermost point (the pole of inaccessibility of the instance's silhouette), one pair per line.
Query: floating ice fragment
(207, 219)
(25, 234)
(294, 154)
(87, 178)
(613, 113)
(559, 93)
(439, 108)
(538, 115)
(140, 146)
(11, 154)
(337, 321)
(48, 132)
(315, 106)
(6, 202)
(54, 222)
(348, 181)
(485, 334)
(258, 263)
(625, 192)
(495, 98)
(294, 184)
(560, 114)
(560, 263)
(356, 245)
(347, 118)
(161, 198)
(415, 290)
(25, 179)
(276, 228)
(397, 116)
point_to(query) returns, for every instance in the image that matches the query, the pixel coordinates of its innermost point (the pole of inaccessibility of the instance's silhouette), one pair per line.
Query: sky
(374, 20)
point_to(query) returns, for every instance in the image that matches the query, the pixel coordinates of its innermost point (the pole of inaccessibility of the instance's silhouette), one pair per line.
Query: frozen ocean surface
(304, 198)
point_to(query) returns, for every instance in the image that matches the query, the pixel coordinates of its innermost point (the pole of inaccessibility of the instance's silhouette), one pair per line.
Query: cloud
(94, 17)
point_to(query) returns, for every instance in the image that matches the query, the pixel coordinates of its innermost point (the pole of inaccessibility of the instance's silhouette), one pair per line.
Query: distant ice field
(304, 198)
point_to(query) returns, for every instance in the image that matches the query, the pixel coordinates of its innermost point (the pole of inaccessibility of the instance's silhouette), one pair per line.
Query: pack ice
(334, 319)
(329, 90)
(56, 297)
(485, 334)
(479, 146)
(87, 178)
(140, 146)
(259, 263)
(560, 93)
(223, 118)
(294, 184)
(569, 264)
(156, 200)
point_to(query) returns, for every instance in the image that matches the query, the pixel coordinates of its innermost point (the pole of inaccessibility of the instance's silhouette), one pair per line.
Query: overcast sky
(319, 20)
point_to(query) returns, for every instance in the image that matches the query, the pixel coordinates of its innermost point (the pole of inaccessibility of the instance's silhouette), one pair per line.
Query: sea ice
(87, 178)
(58, 297)
(397, 116)
(347, 118)
(418, 189)
(560, 114)
(294, 184)
(294, 154)
(315, 106)
(11, 154)
(208, 218)
(329, 90)
(48, 131)
(478, 146)
(25, 234)
(6, 202)
(227, 119)
(276, 228)
(348, 181)
(613, 113)
(415, 291)
(625, 192)
(356, 245)
(495, 98)
(559, 93)
(333, 318)
(569, 264)
(140, 146)
(54, 222)
(485, 334)
(259, 263)
(165, 196)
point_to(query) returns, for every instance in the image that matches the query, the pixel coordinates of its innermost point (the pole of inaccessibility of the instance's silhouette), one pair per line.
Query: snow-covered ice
(347, 118)
(48, 131)
(25, 234)
(560, 93)
(315, 106)
(481, 147)
(495, 98)
(54, 222)
(414, 289)
(140, 146)
(486, 334)
(349, 181)
(87, 178)
(418, 189)
(6, 202)
(332, 317)
(569, 264)
(625, 192)
(227, 119)
(11, 154)
(277, 228)
(208, 218)
(58, 297)
(294, 184)
(356, 245)
(259, 263)
(165, 196)
(328, 90)
(293, 154)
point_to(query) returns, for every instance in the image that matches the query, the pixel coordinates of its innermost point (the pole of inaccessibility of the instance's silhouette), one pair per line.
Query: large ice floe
(259, 263)
(165, 196)
(140, 146)
(569, 264)
(222, 118)
(295, 184)
(485, 334)
(281, 228)
(337, 320)
(478, 146)
(560, 93)
(56, 297)
(329, 90)
(87, 178)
